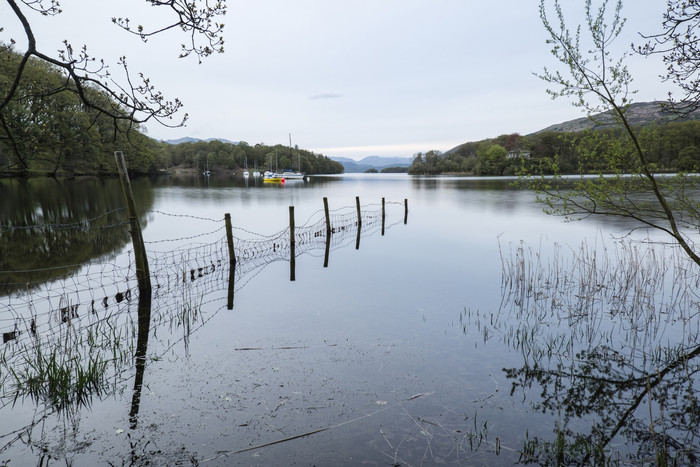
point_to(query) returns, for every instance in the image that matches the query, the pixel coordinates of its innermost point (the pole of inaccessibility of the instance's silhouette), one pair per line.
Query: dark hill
(639, 113)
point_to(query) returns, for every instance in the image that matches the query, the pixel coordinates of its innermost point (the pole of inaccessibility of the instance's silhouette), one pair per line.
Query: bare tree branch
(678, 43)
(136, 101)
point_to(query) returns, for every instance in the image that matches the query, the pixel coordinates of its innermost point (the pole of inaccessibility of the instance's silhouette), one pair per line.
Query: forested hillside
(227, 157)
(43, 130)
(47, 132)
(670, 147)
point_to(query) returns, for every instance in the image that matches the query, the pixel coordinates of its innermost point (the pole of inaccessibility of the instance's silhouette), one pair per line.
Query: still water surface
(419, 346)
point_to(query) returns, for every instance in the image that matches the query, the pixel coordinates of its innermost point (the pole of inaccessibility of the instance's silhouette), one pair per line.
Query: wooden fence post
(359, 222)
(383, 215)
(292, 246)
(405, 212)
(229, 239)
(231, 260)
(142, 274)
(328, 216)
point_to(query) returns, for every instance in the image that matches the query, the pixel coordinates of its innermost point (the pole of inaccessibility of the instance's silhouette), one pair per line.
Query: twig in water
(309, 433)
(285, 347)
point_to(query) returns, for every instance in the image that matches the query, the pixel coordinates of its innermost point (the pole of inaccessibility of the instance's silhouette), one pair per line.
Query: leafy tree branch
(596, 81)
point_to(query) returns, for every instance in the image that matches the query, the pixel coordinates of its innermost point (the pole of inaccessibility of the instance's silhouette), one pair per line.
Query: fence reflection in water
(68, 341)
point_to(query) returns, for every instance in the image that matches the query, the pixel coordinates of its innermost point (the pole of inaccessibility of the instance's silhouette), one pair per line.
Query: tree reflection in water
(52, 227)
(609, 341)
(77, 345)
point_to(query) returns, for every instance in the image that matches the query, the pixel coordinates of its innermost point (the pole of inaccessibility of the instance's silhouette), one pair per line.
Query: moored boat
(273, 177)
(291, 175)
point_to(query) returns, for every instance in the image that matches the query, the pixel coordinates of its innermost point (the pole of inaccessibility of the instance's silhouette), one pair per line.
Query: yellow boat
(273, 177)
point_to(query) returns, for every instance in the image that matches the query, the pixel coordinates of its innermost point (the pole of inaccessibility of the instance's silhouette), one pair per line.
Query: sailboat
(275, 176)
(291, 174)
(245, 171)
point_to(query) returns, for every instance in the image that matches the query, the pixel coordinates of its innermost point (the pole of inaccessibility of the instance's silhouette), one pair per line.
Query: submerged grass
(632, 292)
(68, 367)
(60, 378)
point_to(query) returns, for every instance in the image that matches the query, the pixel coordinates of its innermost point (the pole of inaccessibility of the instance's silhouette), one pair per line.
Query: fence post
(359, 222)
(328, 232)
(231, 260)
(229, 239)
(328, 217)
(142, 274)
(405, 212)
(383, 215)
(292, 245)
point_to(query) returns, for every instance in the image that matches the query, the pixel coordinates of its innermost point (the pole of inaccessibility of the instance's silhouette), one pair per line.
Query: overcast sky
(349, 78)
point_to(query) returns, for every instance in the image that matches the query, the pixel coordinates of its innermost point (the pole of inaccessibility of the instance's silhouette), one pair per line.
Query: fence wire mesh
(66, 340)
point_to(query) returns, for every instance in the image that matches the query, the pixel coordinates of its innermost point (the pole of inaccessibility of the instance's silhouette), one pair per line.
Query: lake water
(476, 331)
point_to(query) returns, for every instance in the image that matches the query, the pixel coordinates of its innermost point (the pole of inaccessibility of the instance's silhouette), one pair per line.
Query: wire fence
(61, 337)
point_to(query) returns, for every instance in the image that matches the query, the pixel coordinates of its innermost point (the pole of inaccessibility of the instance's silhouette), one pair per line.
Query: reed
(603, 329)
(59, 378)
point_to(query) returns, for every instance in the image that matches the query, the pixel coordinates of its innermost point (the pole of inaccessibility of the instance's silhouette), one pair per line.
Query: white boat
(293, 174)
(290, 175)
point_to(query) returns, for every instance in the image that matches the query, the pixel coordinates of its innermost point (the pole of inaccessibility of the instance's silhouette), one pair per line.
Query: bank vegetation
(47, 129)
(671, 147)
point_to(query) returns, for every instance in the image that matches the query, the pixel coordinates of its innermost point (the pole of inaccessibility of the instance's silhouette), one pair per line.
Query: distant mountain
(639, 113)
(188, 139)
(372, 162)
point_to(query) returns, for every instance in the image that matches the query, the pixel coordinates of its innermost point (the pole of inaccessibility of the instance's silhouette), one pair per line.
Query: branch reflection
(609, 345)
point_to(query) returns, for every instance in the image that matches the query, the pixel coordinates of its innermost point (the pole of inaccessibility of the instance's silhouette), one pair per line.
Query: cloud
(326, 95)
